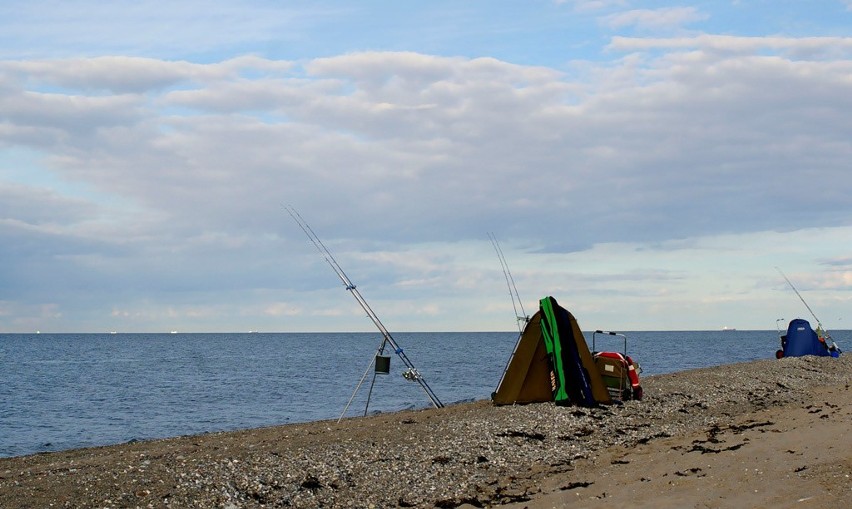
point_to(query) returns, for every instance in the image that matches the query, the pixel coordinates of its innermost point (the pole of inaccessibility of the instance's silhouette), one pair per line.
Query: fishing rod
(510, 282)
(523, 317)
(826, 336)
(799, 295)
(411, 373)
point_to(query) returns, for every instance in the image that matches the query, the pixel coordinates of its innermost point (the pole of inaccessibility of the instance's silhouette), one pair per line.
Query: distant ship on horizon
(728, 328)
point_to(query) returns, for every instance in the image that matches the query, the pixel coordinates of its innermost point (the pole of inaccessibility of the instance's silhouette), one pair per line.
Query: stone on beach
(470, 454)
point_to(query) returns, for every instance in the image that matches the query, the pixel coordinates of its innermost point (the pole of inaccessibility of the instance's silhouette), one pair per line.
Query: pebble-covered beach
(472, 454)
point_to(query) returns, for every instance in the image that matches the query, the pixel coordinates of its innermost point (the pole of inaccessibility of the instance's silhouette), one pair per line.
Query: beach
(770, 433)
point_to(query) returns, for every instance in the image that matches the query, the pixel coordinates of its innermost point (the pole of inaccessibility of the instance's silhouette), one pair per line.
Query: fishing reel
(411, 374)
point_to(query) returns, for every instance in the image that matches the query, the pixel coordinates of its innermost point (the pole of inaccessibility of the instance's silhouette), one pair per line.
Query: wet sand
(762, 434)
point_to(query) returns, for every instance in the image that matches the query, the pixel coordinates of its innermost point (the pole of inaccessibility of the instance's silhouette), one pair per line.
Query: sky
(651, 165)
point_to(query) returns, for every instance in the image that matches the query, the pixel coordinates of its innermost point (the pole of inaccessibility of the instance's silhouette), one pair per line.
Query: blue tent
(802, 340)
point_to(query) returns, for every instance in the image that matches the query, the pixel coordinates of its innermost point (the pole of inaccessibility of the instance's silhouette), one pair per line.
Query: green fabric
(550, 333)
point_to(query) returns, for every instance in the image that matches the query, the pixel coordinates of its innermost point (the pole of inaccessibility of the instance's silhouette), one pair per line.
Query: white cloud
(803, 47)
(592, 5)
(158, 184)
(654, 19)
(434, 138)
(282, 309)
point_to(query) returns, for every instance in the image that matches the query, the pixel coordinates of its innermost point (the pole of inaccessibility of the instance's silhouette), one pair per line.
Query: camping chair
(619, 372)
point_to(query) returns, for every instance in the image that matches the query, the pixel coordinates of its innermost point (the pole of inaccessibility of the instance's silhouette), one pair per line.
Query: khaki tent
(551, 362)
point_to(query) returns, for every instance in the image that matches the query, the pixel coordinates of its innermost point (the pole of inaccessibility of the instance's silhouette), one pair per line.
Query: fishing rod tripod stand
(381, 364)
(411, 373)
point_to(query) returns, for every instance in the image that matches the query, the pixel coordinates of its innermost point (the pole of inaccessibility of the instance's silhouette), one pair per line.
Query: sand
(761, 434)
(792, 456)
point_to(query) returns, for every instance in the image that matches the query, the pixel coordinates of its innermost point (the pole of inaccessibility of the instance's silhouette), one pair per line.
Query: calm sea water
(64, 391)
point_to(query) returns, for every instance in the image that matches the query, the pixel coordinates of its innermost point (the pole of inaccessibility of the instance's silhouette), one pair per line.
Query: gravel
(472, 453)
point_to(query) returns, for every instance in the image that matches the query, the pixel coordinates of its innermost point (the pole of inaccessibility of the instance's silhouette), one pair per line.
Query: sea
(67, 391)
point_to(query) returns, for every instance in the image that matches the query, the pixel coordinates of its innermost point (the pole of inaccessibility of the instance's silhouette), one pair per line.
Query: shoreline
(464, 455)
